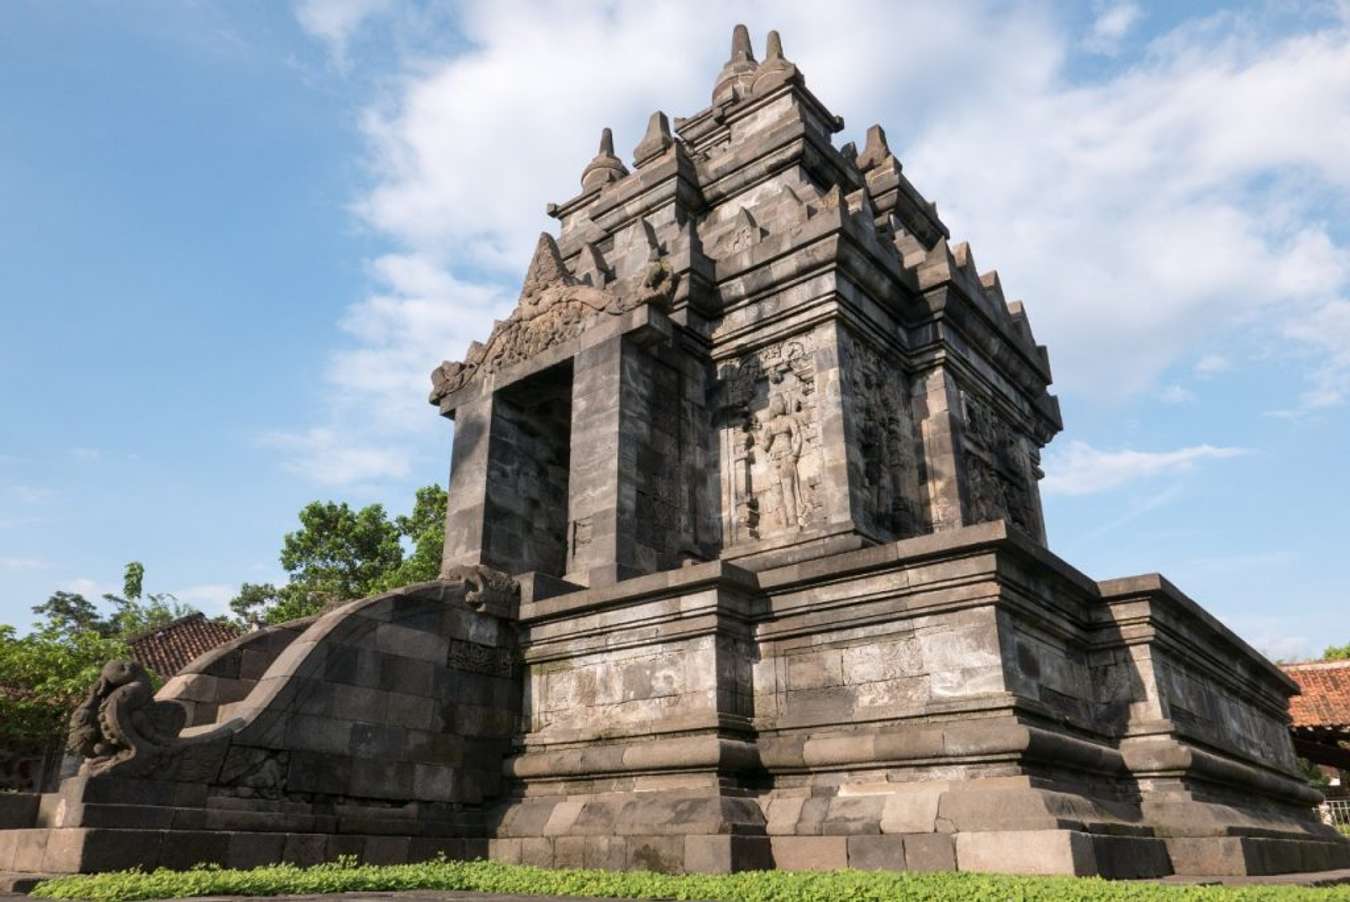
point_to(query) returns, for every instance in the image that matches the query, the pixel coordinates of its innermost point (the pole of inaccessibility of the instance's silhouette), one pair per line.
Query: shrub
(756, 886)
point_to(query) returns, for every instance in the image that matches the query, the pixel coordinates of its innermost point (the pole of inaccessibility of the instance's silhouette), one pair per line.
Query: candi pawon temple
(745, 567)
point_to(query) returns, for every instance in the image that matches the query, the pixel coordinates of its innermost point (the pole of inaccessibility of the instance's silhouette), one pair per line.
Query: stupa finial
(774, 50)
(605, 167)
(775, 70)
(738, 68)
(740, 44)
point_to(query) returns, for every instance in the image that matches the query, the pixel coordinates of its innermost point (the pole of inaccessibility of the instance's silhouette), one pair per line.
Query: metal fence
(1340, 811)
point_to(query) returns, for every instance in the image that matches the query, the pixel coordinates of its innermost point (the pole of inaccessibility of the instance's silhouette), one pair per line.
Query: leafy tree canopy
(1337, 653)
(44, 675)
(339, 554)
(68, 614)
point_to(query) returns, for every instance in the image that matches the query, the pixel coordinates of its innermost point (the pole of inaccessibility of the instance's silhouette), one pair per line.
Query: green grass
(762, 886)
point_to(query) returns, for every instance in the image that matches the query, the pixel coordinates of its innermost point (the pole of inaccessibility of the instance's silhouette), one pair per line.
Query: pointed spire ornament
(733, 80)
(655, 142)
(774, 48)
(775, 70)
(546, 267)
(605, 167)
(639, 241)
(744, 233)
(591, 267)
(875, 151)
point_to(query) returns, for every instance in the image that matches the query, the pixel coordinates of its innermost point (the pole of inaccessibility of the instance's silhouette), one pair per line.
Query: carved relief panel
(1000, 470)
(771, 440)
(881, 413)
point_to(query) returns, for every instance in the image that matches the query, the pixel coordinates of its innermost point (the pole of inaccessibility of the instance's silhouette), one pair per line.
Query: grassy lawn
(762, 886)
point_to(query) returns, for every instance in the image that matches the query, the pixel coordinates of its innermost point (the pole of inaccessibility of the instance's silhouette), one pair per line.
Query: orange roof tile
(169, 648)
(1325, 701)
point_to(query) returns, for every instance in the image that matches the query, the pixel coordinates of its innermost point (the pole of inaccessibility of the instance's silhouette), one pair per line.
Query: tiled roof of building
(1325, 701)
(169, 648)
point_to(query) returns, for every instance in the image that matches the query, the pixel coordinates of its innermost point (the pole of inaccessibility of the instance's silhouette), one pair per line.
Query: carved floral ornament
(554, 307)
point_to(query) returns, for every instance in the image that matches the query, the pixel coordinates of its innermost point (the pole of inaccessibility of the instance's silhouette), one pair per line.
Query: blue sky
(236, 236)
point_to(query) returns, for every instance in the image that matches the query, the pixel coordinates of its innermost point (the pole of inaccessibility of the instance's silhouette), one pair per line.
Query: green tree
(136, 612)
(339, 554)
(44, 675)
(1337, 653)
(133, 580)
(250, 606)
(69, 614)
(424, 529)
(66, 615)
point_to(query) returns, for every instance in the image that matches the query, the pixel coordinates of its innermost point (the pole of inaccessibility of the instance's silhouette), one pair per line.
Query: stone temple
(745, 567)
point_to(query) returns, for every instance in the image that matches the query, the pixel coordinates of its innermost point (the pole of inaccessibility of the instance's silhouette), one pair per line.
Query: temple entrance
(526, 517)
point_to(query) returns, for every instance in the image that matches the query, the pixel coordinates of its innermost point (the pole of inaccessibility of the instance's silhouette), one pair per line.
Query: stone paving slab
(1307, 878)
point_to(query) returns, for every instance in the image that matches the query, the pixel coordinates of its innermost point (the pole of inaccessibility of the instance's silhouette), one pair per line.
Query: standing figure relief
(782, 435)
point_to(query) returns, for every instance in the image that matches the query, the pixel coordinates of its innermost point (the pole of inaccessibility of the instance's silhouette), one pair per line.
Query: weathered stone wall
(650, 446)
(403, 697)
(527, 473)
(229, 673)
(668, 664)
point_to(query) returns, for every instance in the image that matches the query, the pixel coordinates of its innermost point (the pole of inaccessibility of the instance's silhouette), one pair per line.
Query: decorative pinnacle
(875, 151)
(655, 141)
(738, 68)
(605, 167)
(774, 51)
(775, 70)
(740, 45)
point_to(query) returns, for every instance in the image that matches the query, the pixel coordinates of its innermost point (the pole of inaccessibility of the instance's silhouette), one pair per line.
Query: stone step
(20, 882)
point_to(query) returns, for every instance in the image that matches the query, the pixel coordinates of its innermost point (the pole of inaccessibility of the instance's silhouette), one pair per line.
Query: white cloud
(209, 598)
(89, 588)
(1080, 469)
(421, 316)
(330, 458)
(1176, 394)
(1168, 205)
(1326, 332)
(1212, 365)
(1137, 506)
(1111, 26)
(378, 387)
(1272, 637)
(23, 563)
(28, 493)
(336, 21)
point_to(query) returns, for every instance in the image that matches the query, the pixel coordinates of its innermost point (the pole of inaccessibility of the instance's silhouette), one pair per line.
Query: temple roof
(168, 649)
(1325, 698)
